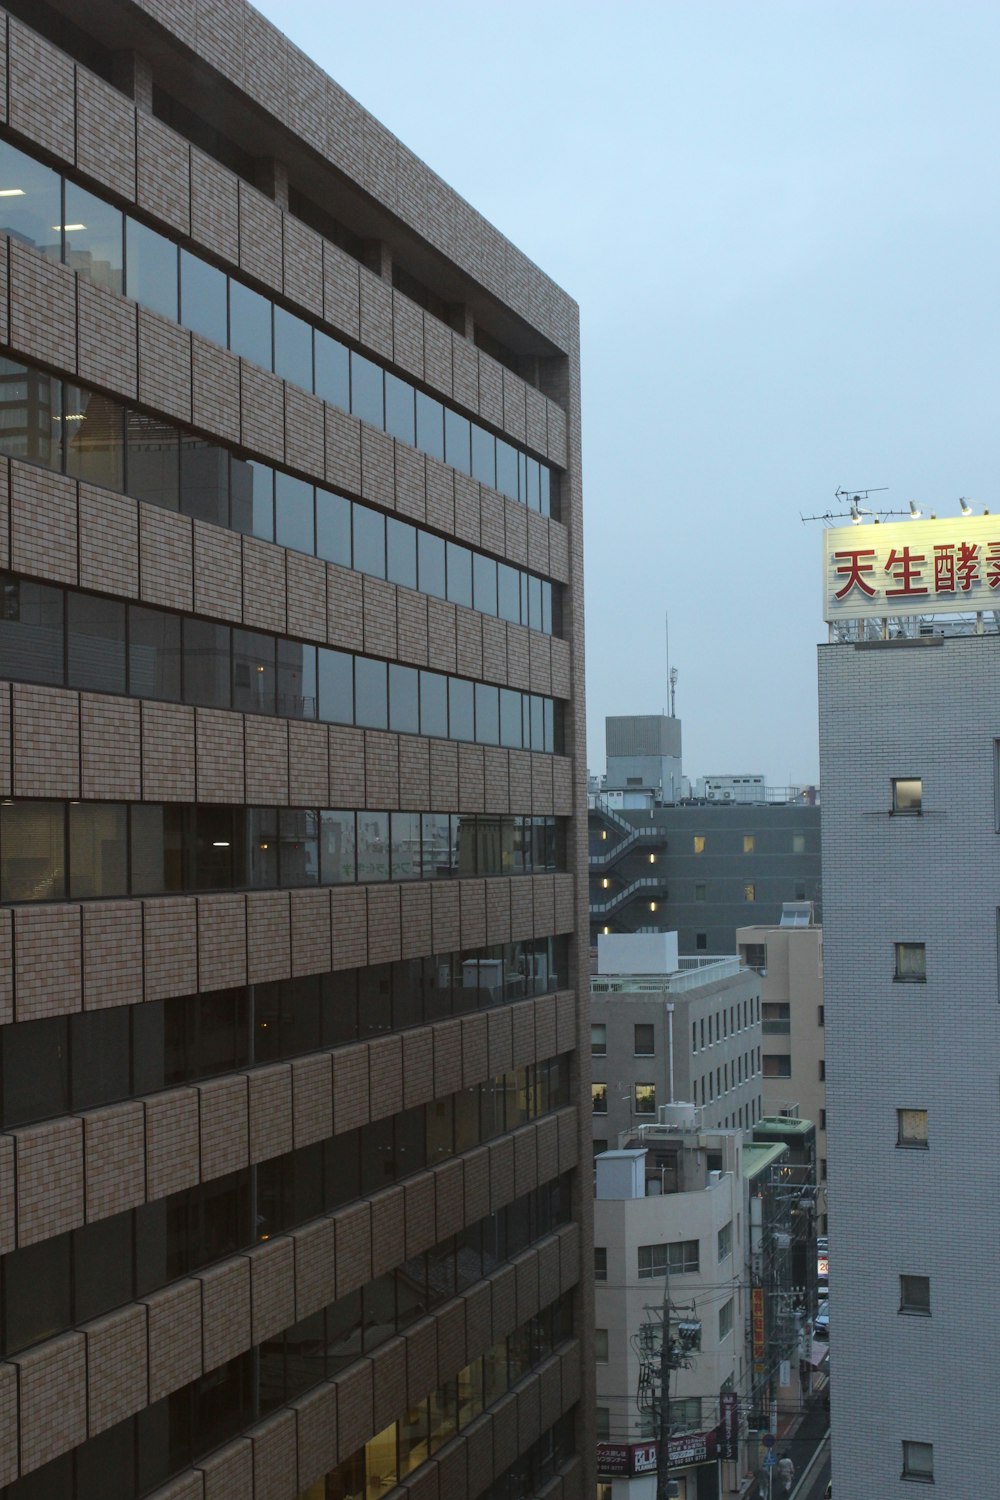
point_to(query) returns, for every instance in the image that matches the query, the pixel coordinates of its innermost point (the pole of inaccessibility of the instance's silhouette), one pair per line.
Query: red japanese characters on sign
(928, 568)
(757, 1310)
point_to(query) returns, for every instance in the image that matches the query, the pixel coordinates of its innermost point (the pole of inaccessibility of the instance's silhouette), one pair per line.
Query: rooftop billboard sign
(947, 567)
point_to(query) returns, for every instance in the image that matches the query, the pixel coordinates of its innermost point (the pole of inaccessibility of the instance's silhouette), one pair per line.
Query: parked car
(821, 1322)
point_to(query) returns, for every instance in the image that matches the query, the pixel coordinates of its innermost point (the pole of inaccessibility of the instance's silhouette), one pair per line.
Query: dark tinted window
(336, 686)
(249, 324)
(333, 528)
(404, 701)
(95, 238)
(461, 719)
(506, 469)
(456, 441)
(252, 498)
(204, 480)
(459, 574)
(293, 353)
(430, 425)
(206, 664)
(152, 460)
(150, 269)
(484, 456)
(95, 437)
(30, 414)
(430, 564)
(296, 680)
(98, 853)
(508, 593)
(31, 205)
(203, 298)
(370, 693)
(96, 641)
(154, 654)
(434, 704)
(487, 714)
(484, 584)
(293, 513)
(401, 547)
(332, 378)
(367, 399)
(35, 1068)
(369, 542)
(253, 672)
(400, 410)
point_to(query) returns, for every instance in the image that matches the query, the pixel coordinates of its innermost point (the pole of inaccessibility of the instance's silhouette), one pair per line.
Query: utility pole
(657, 1366)
(663, 1414)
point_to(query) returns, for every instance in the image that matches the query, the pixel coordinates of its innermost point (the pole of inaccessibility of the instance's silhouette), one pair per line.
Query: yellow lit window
(699, 843)
(748, 843)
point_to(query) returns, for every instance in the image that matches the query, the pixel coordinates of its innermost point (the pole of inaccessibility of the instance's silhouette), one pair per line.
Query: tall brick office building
(292, 782)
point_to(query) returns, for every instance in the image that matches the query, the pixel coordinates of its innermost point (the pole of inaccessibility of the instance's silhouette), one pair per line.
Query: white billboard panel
(945, 567)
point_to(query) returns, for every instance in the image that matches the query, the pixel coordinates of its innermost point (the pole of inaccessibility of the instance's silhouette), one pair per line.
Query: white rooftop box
(637, 953)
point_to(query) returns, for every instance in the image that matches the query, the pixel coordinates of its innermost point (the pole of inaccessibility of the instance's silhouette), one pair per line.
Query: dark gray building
(701, 870)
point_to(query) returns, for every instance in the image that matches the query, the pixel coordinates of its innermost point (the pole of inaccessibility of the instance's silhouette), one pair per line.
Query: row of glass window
(61, 1065)
(403, 1446)
(89, 1271)
(87, 850)
(71, 639)
(67, 223)
(138, 1455)
(93, 437)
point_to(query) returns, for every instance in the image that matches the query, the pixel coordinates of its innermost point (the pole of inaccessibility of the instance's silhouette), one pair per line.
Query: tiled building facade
(291, 729)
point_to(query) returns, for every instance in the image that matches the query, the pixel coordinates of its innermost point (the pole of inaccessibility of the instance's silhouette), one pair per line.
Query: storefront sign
(911, 568)
(757, 1312)
(629, 1460)
(729, 1425)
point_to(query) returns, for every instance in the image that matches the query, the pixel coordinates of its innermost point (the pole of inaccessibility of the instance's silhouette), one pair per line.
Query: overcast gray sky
(780, 219)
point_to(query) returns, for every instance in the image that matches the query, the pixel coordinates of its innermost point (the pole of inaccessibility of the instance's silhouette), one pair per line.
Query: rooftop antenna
(856, 512)
(671, 671)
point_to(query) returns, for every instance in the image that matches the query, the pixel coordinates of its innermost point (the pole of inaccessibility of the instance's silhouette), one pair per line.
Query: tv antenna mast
(671, 671)
(858, 507)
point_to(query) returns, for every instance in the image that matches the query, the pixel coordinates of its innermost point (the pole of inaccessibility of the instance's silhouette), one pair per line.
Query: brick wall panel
(52, 1380)
(562, 786)
(441, 635)
(112, 953)
(381, 769)
(215, 390)
(558, 552)
(407, 336)
(440, 490)
(451, 1338)
(4, 465)
(468, 643)
(269, 945)
(568, 1141)
(494, 650)
(411, 483)
(354, 1409)
(270, 1103)
(437, 354)
(347, 766)
(498, 911)
(446, 917)
(114, 1150)
(260, 237)
(223, 1126)
(444, 775)
(447, 1058)
(49, 1166)
(48, 978)
(473, 907)
(490, 390)
(312, 1099)
(109, 543)
(264, 585)
(414, 773)
(274, 1458)
(40, 81)
(8, 1375)
(225, 1311)
(117, 1357)
(539, 663)
(215, 214)
(305, 447)
(43, 524)
(343, 450)
(350, 1089)
(538, 543)
(496, 779)
(341, 291)
(545, 1026)
(376, 314)
(174, 1332)
(46, 742)
(165, 559)
(415, 920)
(501, 1041)
(477, 1184)
(471, 782)
(349, 927)
(219, 755)
(475, 1049)
(522, 915)
(561, 669)
(267, 760)
(307, 606)
(262, 412)
(310, 931)
(191, 1486)
(525, 1175)
(516, 533)
(228, 1473)
(548, 1153)
(565, 1020)
(504, 1290)
(163, 172)
(543, 895)
(106, 339)
(421, 1359)
(345, 617)
(168, 758)
(316, 1433)
(518, 657)
(309, 765)
(504, 1434)
(564, 905)
(384, 932)
(379, 605)
(354, 1247)
(449, 1200)
(388, 1221)
(467, 509)
(172, 1142)
(418, 1067)
(492, 514)
(303, 265)
(315, 1266)
(411, 615)
(513, 406)
(557, 434)
(42, 309)
(465, 372)
(222, 941)
(535, 423)
(501, 1173)
(218, 572)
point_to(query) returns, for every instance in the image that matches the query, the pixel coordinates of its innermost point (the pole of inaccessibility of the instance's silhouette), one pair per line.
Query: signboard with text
(628, 1460)
(757, 1315)
(911, 568)
(729, 1424)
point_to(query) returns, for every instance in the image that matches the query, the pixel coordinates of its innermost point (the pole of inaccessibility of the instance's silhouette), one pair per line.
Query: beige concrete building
(789, 962)
(291, 793)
